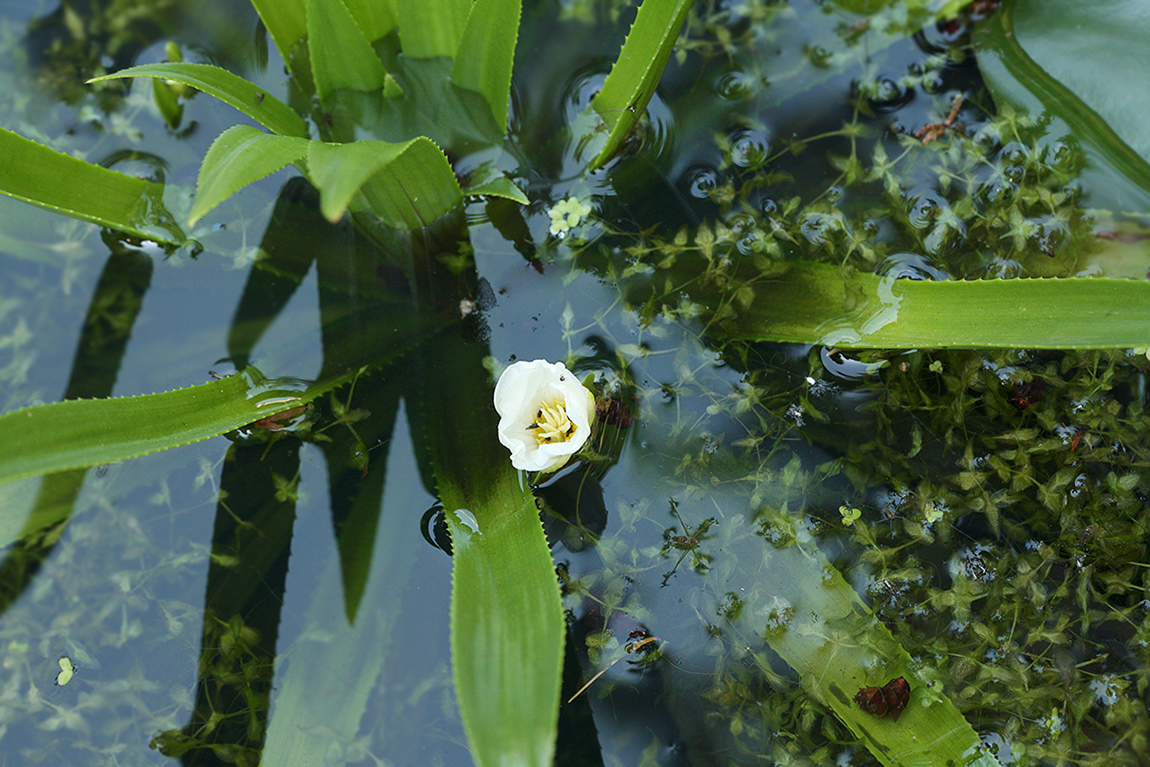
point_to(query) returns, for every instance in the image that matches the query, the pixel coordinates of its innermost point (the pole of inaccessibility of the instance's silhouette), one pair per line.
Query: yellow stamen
(552, 424)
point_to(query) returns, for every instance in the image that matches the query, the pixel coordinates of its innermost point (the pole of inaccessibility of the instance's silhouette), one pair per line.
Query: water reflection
(711, 521)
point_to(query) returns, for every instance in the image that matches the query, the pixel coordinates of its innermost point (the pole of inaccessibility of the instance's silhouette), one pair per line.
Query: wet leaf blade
(231, 89)
(1015, 79)
(487, 52)
(832, 639)
(817, 304)
(507, 626)
(637, 71)
(1036, 314)
(375, 17)
(239, 156)
(506, 631)
(35, 174)
(82, 433)
(500, 187)
(1096, 51)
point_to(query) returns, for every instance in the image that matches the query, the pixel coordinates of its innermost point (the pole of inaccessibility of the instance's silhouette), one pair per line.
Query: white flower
(545, 414)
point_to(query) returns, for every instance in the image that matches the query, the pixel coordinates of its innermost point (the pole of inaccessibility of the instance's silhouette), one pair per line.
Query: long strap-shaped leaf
(49, 179)
(341, 54)
(800, 604)
(433, 27)
(375, 17)
(637, 71)
(507, 627)
(487, 52)
(232, 89)
(89, 432)
(819, 304)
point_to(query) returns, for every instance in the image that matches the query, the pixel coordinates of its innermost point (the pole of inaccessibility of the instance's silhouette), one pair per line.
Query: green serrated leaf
(77, 434)
(433, 27)
(375, 17)
(487, 51)
(58, 182)
(341, 56)
(507, 627)
(500, 187)
(240, 155)
(818, 304)
(637, 71)
(232, 89)
(407, 185)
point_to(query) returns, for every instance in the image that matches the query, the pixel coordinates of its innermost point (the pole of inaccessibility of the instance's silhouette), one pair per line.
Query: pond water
(990, 507)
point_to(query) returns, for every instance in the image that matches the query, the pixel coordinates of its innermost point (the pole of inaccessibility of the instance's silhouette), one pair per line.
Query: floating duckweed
(567, 214)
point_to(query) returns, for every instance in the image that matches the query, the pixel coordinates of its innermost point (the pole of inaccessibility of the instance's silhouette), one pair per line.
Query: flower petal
(523, 390)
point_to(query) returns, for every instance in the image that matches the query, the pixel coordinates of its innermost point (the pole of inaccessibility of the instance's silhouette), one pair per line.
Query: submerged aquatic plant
(732, 282)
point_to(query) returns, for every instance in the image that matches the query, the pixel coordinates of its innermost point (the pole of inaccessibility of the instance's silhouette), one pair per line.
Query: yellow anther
(552, 424)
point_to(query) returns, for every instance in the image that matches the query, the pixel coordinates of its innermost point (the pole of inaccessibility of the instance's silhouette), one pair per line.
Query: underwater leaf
(240, 155)
(437, 107)
(119, 293)
(507, 625)
(487, 51)
(433, 27)
(637, 71)
(407, 185)
(814, 620)
(341, 56)
(1117, 174)
(286, 21)
(35, 174)
(82, 433)
(232, 89)
(818, 304)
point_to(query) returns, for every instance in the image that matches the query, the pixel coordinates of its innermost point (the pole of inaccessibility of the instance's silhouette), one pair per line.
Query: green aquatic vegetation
(1005, 546)
(996, 597)
(81, 42)
(1015, 616)
(996, 201)
(95, 614)
(1047, 541)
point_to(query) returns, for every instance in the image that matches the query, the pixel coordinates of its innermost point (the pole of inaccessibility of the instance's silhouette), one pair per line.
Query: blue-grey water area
(191, 587)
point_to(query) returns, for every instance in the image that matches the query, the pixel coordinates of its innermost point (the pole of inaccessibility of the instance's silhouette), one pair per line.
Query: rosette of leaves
(437, 77)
